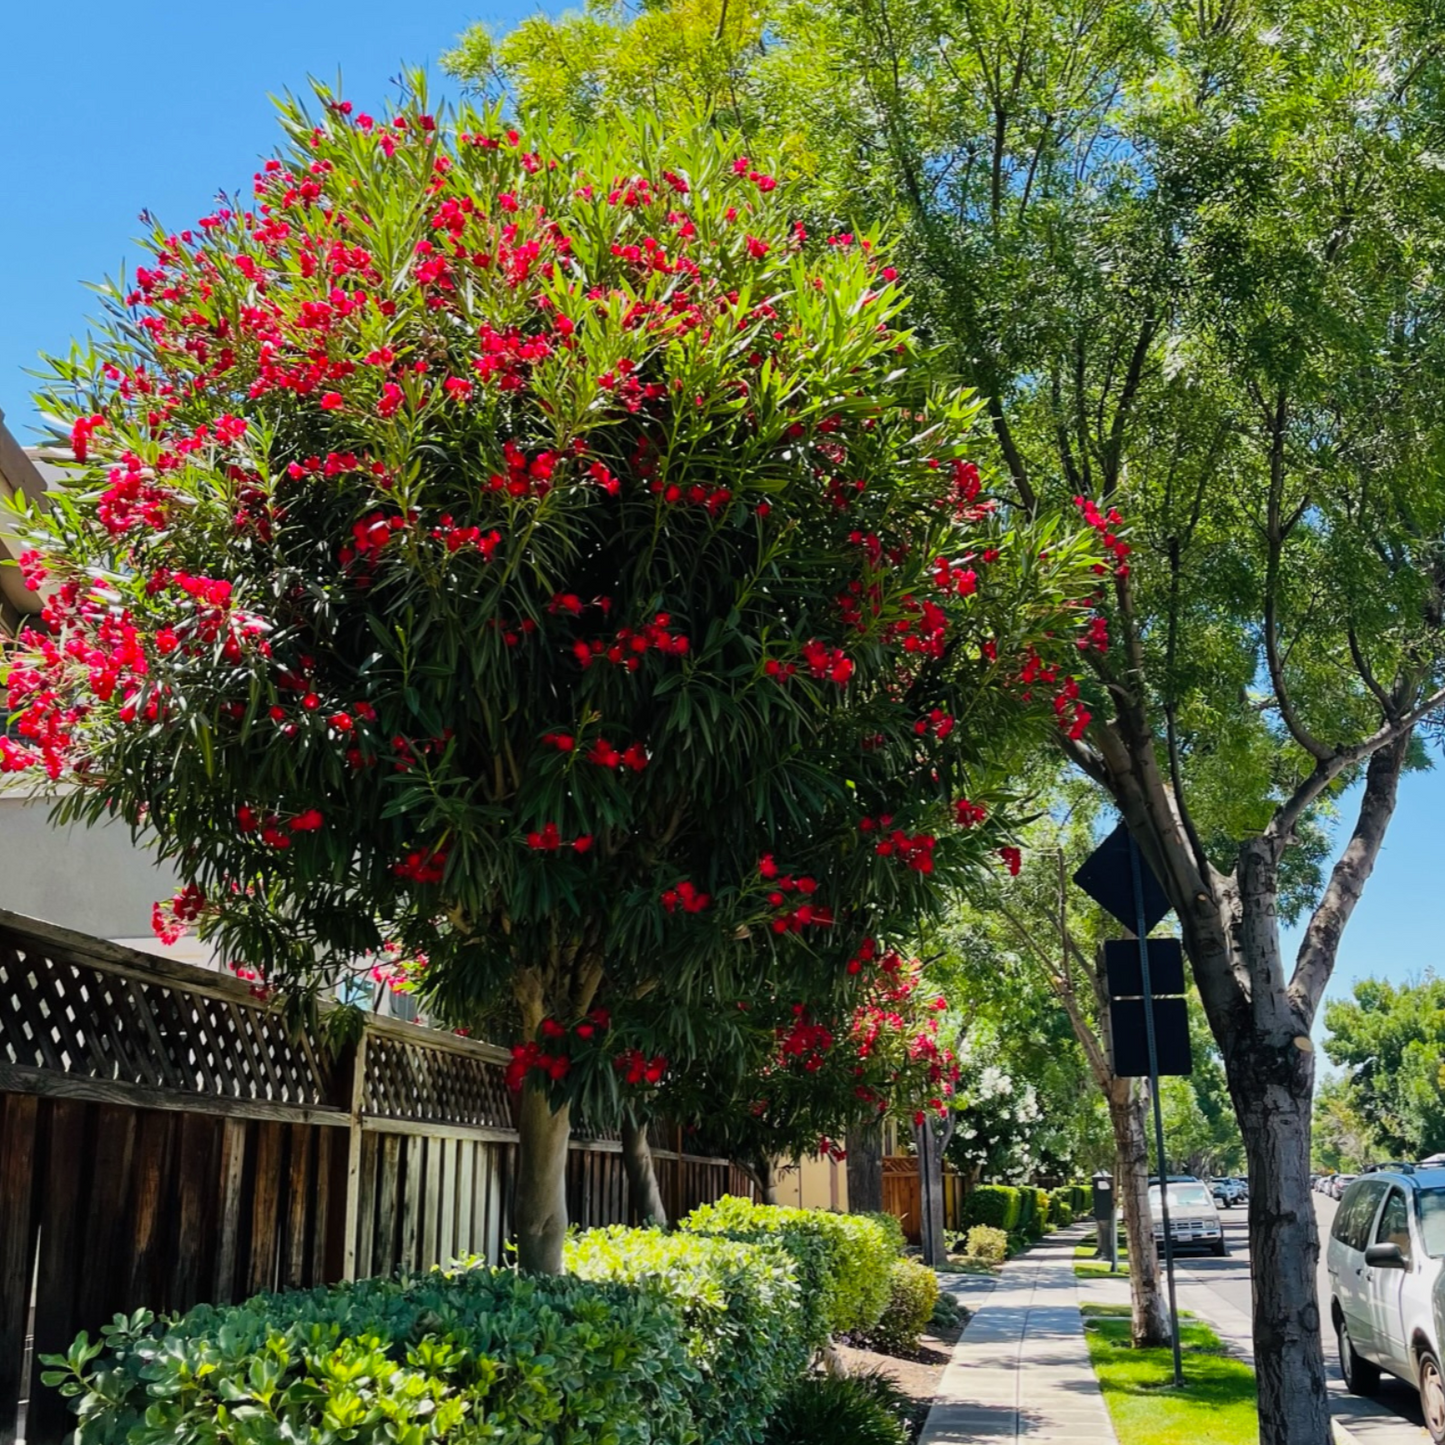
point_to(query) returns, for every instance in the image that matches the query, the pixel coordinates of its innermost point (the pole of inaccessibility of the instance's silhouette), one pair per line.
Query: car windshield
(1431, 1204)
(1183, 1196)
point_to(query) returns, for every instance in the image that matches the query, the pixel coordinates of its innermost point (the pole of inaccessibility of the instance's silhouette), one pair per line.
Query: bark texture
(541, 1200)
(642, 1183)
(865, 1170)
(930, 1179)
(1149, 1323)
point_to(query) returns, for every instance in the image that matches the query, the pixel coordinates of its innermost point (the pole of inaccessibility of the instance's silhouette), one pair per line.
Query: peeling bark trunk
(642, 1183)
(865, 1170)
(1149, 1324)
(1272, 1094)
(541, 1199)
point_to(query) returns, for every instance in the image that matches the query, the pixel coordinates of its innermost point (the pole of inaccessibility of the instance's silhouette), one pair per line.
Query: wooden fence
(164, 1140)
(903, 1195)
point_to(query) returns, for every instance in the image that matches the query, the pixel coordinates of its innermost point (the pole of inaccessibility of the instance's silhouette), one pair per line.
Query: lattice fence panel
(411, 1080)
(71, 1016)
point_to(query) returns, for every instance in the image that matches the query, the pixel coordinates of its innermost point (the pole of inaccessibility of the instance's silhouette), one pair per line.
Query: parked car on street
(1194, 1222)
(1228, 1192)
(1339, 1183)
(1386, 1263)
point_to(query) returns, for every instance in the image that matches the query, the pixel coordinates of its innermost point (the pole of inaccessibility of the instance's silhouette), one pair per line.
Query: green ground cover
(1217, 1405)
(1086, 1265)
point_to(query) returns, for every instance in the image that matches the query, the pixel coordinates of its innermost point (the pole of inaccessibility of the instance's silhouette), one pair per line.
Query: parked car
(1229, 1192)
(1194, 1222)
(1339, 1183)
(1386, 1263)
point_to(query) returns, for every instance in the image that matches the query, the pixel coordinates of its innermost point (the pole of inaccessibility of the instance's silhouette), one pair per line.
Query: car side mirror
(1384, 1256)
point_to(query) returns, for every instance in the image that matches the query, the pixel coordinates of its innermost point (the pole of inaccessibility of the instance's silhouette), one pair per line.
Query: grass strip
(1086, 1266)
(1217, 1405)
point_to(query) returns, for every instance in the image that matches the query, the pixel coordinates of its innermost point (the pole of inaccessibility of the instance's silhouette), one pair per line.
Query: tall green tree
(1390, 1038)
(1191, 256)
(500, 544)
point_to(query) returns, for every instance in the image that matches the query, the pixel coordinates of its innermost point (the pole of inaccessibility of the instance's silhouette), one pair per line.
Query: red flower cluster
(633, 756)
(627, 648)
(635, 1068)
(968, 815)
(685, 896)
(827, 662)
(422, 865)
(805, 1042)
(531, 1055)
(1104, 523)
(962, 581)
(938, 722)
(915, 851)
(169, 920)
(524, 478)
(1012, 860)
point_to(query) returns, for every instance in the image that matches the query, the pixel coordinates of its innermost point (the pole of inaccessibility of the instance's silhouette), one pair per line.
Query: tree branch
(1316, 959)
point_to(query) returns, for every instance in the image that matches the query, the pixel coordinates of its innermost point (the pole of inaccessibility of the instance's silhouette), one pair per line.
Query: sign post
(1115, 876)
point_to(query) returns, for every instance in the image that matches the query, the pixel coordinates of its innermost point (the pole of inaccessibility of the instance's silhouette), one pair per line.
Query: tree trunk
(541, 1200)
(766, 1173)
(930, 1180)
(865, 1170)
(1272, 1093)
(642, 1182)
(1149, 1325)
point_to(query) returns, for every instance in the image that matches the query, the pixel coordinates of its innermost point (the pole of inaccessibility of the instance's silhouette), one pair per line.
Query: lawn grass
(1217, 1405)
(1086, 1266)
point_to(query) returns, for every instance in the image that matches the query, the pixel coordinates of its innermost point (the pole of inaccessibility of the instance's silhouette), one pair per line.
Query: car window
(1190, 1195)
(1430, 1204)
(1357, 1212)
(1394, 1225)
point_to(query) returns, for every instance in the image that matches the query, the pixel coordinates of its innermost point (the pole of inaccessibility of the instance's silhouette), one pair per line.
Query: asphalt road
(1228, 1280)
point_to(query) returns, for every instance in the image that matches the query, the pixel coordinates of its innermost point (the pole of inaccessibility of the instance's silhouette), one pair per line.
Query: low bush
(541, 1360)
(746, 1332)
(912, 1294)
(892, 1226)
(841, 1410)
(1063, 1213)
(843, 1260)
(1043, 1212)
(945, 1312)
(997, 1205)
(988, 1243)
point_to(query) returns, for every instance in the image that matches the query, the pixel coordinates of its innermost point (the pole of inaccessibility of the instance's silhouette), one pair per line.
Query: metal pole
(1139, 930)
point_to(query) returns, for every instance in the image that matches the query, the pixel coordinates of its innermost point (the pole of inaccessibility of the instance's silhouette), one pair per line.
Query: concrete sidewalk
(1021, 1370)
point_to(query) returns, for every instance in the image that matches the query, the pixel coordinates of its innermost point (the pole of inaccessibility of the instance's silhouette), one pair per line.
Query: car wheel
(1432, 1396)
(1218, 1249)
(1362, 1377)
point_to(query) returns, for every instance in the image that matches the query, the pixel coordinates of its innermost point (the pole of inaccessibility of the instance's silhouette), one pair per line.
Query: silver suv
(1386, 1261)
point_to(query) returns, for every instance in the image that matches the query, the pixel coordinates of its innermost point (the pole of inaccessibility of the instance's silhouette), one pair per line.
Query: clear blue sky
(113, 108)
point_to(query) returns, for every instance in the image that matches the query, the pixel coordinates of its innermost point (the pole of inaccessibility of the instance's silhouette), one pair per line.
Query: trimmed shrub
(1040, 1218)
(841, 1410)
(549, 1361)
(988, 1243)
(746, 1332)
(912, 1295)
(1063, 1213)
(892, 1226)
(996, 1205)
(843, 1259)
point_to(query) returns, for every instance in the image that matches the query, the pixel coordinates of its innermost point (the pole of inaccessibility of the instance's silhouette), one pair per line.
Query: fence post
(353, 1157)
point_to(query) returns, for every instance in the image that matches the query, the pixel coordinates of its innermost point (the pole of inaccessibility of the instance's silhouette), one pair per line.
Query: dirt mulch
(917, 1375)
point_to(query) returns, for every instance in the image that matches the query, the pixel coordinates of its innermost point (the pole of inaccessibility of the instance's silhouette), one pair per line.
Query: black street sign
(1126, 978)
(1130, 1041)
(1108, 879)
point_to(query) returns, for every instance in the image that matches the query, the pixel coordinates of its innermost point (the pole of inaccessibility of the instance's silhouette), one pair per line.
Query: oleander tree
(492, 541)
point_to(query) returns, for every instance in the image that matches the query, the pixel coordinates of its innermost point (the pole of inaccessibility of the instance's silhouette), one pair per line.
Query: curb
(1341, 1435)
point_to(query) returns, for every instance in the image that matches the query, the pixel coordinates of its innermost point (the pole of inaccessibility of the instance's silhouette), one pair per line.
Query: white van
(1385, 1260)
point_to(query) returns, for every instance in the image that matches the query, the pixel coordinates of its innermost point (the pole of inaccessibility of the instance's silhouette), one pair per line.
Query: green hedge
(843, 1260)
(997, 1205)
(549, 1361)
(651, 1338)
(741, 1304)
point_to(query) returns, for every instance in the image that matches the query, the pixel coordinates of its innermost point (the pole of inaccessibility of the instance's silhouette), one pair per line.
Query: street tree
(497, 541)
(1390, 1039)
(1191, 256)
